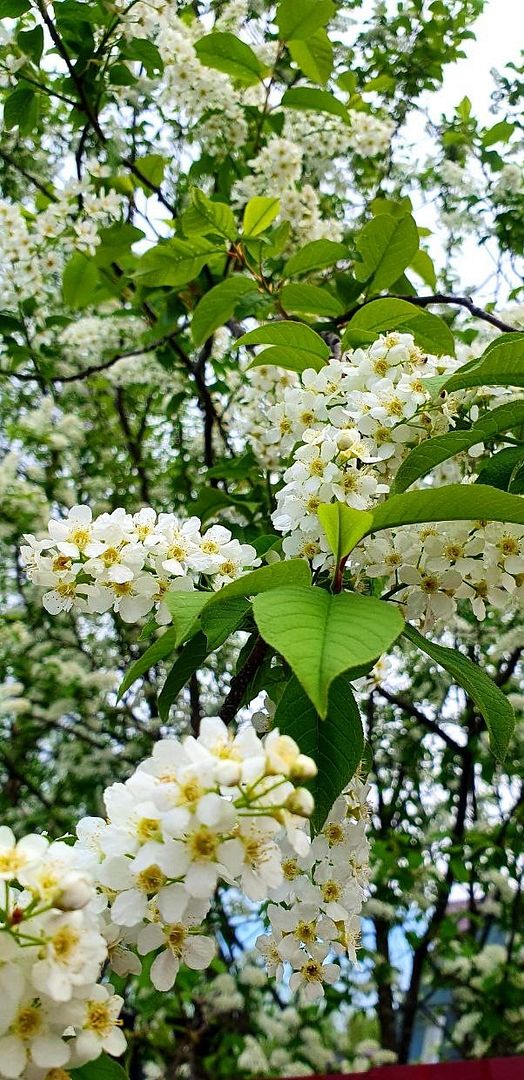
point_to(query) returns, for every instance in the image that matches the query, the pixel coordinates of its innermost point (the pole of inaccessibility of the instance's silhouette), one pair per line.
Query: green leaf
(336, 744)
(190, 659)
(314, 57)
(160, 648)
(185, 608)
(491, 702)
(218, 305)
(207, 216)
(298, 19)
(258, 214)
(433, 452)
(308, 97)
(115, 242)
(175, 262)
(430, 331)
(343, 527)
(291, 572)
(32, 43)
(11, 9)
(456, 502)
(310, 299)
(291, 359)
(104, 1068)
(503, 470)
(288, 333)
(147, 53)
(152, 167)
(500, 132)
(79, 281)
(422, 264)
(321, 635)
(220, 620)
(21, 110)
(315, 256)
(225, 52)
(500, 365)
(386, 246)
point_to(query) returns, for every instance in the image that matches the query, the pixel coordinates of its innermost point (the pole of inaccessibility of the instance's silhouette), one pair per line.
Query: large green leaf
(321, 635)
(185, 608)
(500, 365)
(490, 701)
(218, 305)
(222, 619)
(432, 452)
(315, 256)
(456, 502)
(260, 211)
(175, 262)
(310, 299)
(314, 57)
(293, 335)
(429, 331)
(206, 216)
(190, 659)
(343, 527)
(286, 357)
(298, 19)
(79, 282)
(161, 648)
(291, 572)
(225, 52)
(386, 246)
(103, 1068)
(336, 744)
(308, 97)
(504, 470)
(296, 346)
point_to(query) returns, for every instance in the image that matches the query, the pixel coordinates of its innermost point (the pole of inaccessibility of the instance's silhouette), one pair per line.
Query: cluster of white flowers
(91, 339)
(216, 808)
(127, 563)
(351, 425)
(277, 169)
(326, 140)
(347, 429)
(53, 1010)
(317, 906)
(33, 249)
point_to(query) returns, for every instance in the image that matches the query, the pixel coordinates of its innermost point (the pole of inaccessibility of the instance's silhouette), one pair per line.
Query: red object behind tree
(491, 1069)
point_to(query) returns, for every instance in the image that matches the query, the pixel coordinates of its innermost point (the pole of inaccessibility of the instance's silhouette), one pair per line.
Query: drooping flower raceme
(220, 808)
(315, 916)
(53, 1013)
(126, 563)
(346, 430)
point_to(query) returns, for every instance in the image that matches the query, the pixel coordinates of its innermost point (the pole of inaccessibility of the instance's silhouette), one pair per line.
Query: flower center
(334, 833)
(312, 971)
(151, 879)
(305, 931)
(11, 861)
(331, 891)
(99, 1018)
(28, 1022)
(176, 937)
(148, 829)
(210, 547)
(64, 943)
(203, 844)
(80, 537)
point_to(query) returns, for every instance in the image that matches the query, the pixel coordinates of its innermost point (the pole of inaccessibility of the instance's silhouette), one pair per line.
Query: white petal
(12, 1056)
(49, 1051)
(164, 970)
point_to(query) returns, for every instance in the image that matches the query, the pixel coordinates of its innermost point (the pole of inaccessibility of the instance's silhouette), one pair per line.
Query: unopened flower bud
(304, 768)
(77, 892)
(301, 802)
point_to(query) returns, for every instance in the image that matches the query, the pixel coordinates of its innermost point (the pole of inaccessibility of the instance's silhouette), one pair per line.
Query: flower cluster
(126, 563)
(53, 1011)
(347, 429)
(354, 422)
(317, 908)
(217, 808)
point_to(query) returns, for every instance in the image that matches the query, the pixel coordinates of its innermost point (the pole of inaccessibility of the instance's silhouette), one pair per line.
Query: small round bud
(300, 802)
(304, 768)
(75, 894)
